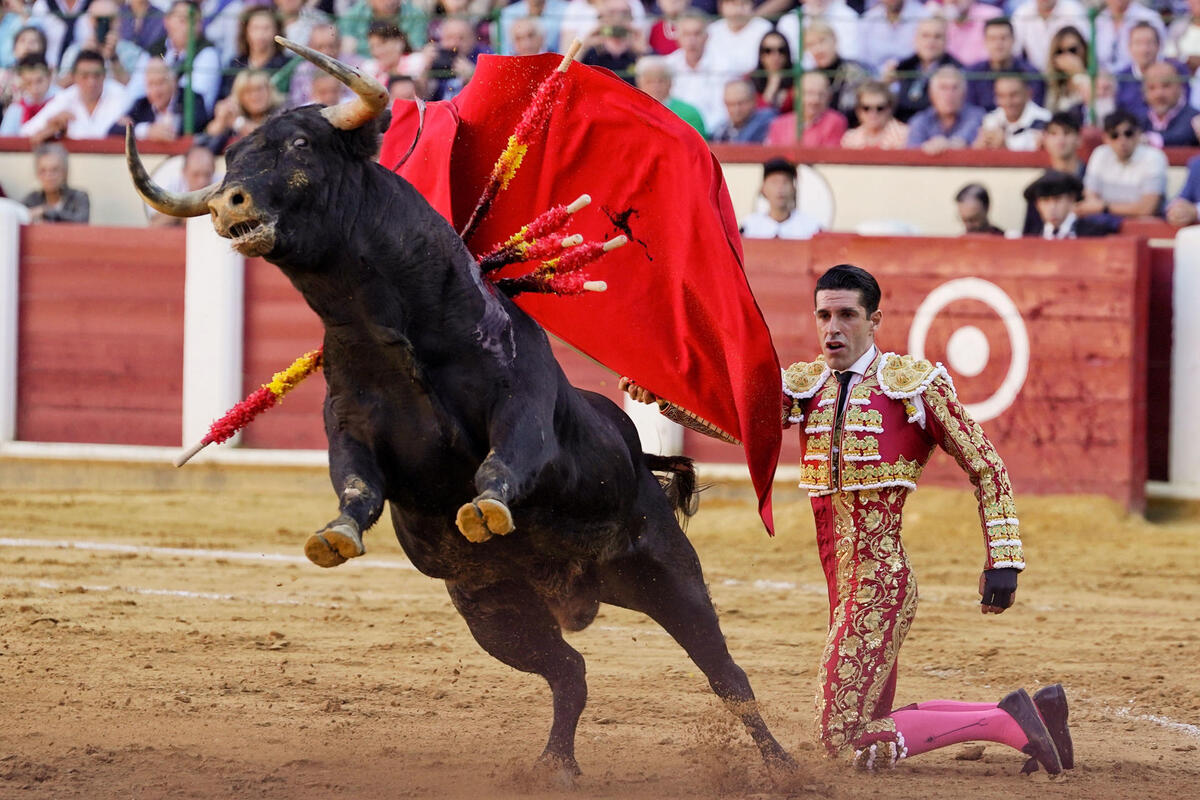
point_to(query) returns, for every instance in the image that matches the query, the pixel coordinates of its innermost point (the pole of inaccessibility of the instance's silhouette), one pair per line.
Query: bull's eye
(300, 142)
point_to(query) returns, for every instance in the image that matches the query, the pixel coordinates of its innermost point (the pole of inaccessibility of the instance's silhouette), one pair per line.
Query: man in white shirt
(782, 220)
(1017, 123)
(1036, 21)
(887, 32)
(1113, 25)
(834, 13)
(548, 13)
(695, 79)
(86, 110)
(1124, 177)
(733, 40)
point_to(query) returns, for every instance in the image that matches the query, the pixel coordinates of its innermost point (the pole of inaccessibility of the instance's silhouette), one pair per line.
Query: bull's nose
(232, 198)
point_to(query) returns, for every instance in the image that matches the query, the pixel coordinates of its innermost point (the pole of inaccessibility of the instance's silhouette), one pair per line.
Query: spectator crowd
(1017, 75)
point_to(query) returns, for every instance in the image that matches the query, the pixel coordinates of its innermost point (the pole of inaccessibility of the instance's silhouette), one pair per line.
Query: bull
(530, 498)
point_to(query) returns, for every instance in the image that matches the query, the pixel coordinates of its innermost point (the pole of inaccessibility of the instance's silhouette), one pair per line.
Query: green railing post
(189, 101)
(797, 76)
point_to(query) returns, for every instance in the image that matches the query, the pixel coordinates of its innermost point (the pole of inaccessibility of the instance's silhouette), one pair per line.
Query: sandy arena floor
(192, 652)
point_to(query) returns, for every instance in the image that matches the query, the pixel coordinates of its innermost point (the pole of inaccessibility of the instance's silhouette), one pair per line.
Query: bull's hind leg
(359, 485)
(663, 580)
(513, 624)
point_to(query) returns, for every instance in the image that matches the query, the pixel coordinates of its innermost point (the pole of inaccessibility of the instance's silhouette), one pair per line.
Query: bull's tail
(677, 476)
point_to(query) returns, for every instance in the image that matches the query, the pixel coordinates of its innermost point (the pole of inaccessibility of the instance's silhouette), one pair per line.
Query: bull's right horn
(371, 96)
(188, 204)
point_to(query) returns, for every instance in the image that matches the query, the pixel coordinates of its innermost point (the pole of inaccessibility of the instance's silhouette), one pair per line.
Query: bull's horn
(372, 97)
(188, 204)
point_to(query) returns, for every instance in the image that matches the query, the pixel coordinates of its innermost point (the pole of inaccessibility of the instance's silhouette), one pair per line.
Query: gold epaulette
(905, 376)
(802, 379)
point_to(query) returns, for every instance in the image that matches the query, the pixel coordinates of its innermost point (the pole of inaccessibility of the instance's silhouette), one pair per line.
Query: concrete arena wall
(912, 188)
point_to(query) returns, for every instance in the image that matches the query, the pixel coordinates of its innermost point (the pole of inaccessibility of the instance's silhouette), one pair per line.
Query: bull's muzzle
(237, 217)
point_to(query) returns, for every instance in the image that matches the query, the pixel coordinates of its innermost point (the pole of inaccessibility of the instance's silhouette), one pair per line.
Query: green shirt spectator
(652, 74)
(410, 19)
(689, 114)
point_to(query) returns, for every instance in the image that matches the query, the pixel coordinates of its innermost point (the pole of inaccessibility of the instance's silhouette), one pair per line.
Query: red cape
(678, 316)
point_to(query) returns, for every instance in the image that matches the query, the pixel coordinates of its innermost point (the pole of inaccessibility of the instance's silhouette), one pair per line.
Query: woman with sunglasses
(1068, 85)
(772, 77)
(877, 127)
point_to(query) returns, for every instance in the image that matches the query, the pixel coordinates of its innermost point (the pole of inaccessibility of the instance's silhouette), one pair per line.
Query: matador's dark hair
(857, 279)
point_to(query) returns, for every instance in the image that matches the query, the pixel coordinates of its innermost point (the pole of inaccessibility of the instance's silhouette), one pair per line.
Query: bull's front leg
(523, 442)
(359, 485)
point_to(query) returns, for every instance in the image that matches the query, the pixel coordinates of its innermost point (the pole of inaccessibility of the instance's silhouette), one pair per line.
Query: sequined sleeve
(681, 416)
(961, 437)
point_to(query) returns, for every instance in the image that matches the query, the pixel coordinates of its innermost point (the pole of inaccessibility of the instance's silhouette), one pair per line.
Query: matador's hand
(998, 588)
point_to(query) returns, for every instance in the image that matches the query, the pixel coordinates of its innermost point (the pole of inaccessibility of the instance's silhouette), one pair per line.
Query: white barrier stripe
(188, 552)
(144, 590)
(1181, 727)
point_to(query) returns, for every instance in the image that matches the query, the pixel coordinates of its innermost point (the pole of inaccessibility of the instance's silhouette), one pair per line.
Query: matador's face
(844, 327)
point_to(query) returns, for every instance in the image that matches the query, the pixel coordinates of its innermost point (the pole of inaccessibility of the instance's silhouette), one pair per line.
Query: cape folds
(678, 316)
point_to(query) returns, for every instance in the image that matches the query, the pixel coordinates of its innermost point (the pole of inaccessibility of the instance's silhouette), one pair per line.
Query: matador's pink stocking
(925, 729)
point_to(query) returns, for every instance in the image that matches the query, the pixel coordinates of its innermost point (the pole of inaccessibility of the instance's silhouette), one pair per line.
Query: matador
(869, 421)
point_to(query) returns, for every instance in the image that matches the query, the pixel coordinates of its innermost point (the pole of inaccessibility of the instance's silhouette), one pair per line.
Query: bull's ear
(384, 121)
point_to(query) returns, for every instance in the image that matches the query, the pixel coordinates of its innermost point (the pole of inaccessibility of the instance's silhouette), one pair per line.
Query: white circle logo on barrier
(967, 350)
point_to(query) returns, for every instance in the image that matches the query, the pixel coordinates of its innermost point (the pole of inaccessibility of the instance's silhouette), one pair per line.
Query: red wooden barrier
(100, 341)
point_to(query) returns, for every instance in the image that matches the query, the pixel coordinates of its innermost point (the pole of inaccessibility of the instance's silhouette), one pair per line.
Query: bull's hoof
(334, 545)
(480, 521)
(556, 772)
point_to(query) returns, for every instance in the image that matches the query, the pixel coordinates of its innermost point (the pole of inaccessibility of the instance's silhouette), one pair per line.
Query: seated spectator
(205, 79)
(1143, 51)
(400, 87)
(839, 17)
(1017, 123)
(97, 29)
(1036, 21)
(159, 115)
(324, 39)
(86, 110)
(653, 76)
(450, 62)
(581, 18)
(965, 21)
(140, 22)
(1113, 24)
(1054, 196)
(845, 76)
(772, 77)
(1183, 210)
(745, 122)
(1068, 84)
(1183, 38)
(28, 41)
(887, 31)
(734, 38)
(1125, 177)
(299, 18)
(466, 10)
(617, 45)
(1061, 143)
(256, 46)
(547, 13)
(57, 30)
(912, 95)
(781, 220)
(949, 123)
(353, 23)
(822, 126)
(55, 201)
(391, 53)
(999, 43)
(1169, 120)
(877, 127)
(663, 37)
(34, 92)
(526, 38)
(694, 78)
(974, 204)
(199, 170)
(252, 101)
(331, 92)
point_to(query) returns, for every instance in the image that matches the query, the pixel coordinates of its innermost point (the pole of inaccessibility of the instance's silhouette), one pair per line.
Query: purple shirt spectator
(926, 125)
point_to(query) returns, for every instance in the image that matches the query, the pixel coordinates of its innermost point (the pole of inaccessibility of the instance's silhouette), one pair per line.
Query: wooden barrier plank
(101, 335)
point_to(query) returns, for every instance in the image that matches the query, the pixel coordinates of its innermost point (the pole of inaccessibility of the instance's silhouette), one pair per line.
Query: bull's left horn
(188, 204)
(372, 98)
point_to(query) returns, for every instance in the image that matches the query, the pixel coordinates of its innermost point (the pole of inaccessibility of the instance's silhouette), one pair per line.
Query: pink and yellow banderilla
(262, 398)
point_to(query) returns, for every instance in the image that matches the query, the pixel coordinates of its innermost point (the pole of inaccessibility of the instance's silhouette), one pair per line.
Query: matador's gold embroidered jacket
(882, 443)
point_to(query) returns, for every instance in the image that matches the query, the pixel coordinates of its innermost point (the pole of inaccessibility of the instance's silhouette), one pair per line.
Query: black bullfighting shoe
(1020, 707)
(1051, 703)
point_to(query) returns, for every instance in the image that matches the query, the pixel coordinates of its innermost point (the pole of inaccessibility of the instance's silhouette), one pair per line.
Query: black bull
(444, 400)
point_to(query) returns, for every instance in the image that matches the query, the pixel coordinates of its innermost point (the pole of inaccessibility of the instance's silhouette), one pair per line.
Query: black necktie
(843, 394)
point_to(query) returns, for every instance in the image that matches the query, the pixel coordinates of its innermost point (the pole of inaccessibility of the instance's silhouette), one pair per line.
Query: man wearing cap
(868, 423)
(781, 220)
(1054, 196)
